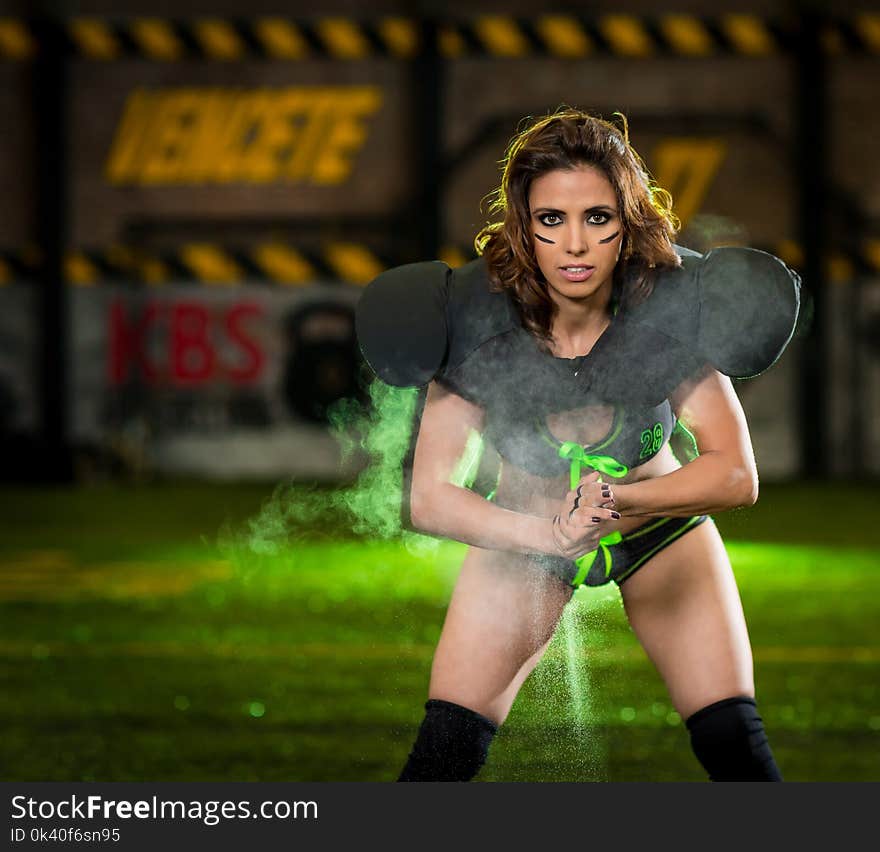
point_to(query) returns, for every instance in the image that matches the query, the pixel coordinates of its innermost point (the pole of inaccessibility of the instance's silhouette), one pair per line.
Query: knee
(728, 739)
(452, 744)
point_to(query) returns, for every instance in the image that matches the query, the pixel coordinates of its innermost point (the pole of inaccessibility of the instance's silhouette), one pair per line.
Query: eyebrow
(604, 208)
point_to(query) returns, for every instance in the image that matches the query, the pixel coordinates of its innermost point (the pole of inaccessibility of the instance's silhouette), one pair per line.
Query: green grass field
(133, 646)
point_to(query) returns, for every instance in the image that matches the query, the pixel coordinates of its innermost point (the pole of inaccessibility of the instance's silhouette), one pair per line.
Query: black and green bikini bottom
(620, 556)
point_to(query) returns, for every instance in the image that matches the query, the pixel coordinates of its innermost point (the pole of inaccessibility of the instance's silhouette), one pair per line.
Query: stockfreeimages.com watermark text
(209, 812)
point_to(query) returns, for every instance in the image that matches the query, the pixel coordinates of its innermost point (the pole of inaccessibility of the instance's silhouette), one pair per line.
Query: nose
(575, 239)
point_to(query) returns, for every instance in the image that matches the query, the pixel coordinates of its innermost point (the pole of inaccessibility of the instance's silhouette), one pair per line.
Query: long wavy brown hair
(566, 139)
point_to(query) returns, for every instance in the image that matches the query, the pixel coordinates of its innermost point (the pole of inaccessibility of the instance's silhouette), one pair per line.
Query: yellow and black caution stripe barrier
(275, 262)
(628, 36)
(566, 36)
(218, 265)
(231, 40)
(502, 36)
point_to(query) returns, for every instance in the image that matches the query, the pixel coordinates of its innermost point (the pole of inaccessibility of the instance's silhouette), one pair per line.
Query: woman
(538, 356)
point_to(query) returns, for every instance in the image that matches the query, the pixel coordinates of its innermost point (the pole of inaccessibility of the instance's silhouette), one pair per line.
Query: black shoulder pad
(401, 323)
(749, 306)
(474, 313)
(734, 307)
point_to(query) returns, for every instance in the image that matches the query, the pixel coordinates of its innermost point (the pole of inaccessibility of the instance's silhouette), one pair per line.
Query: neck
(579, 324)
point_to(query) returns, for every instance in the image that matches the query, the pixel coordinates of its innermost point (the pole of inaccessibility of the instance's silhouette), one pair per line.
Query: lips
(576, 273)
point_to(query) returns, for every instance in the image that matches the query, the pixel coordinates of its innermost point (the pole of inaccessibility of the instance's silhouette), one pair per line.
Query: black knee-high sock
(451, 745)
(728, 739)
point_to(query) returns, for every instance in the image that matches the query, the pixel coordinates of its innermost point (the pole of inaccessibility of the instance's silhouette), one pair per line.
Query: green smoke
(381, 431)
(384, 431)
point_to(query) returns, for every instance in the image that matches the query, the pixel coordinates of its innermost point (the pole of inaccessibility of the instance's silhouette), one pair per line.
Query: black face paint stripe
(544, 239)
(609, 239)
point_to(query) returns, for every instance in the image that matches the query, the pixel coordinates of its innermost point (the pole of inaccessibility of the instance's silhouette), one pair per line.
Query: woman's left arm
(723, 476)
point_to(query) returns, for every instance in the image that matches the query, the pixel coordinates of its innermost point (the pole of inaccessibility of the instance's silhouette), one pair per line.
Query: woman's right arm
(439, 507)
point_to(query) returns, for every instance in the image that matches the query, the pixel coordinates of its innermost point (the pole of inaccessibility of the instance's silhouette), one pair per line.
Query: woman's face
(576, 231)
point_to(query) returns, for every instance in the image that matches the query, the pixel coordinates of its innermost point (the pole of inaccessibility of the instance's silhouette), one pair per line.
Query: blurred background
(193, 198)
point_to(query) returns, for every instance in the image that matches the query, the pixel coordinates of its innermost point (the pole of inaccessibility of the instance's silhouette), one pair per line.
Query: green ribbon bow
(604, 464)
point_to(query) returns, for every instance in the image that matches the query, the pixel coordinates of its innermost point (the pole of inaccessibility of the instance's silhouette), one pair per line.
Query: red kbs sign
(184, 343)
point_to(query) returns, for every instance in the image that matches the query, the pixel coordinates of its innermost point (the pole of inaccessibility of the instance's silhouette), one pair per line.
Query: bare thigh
(502, 615)
(685, 609)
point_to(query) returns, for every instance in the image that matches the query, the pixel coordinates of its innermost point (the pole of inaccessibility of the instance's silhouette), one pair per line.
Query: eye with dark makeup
(593, 217)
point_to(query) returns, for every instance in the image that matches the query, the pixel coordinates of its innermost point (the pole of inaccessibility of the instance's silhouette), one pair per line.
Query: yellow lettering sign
(346, 134)
(194, 136)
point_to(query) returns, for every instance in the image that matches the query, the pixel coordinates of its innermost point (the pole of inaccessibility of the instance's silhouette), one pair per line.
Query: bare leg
(685, 609)
(501, 617)
(500, 620)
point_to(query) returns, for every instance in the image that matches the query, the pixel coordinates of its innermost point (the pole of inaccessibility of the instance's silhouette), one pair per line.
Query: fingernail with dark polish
(615, 515)
(596, 520)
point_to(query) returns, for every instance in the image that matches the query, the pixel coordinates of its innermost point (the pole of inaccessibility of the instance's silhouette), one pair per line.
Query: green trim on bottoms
(668, 540)
(640, 531)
